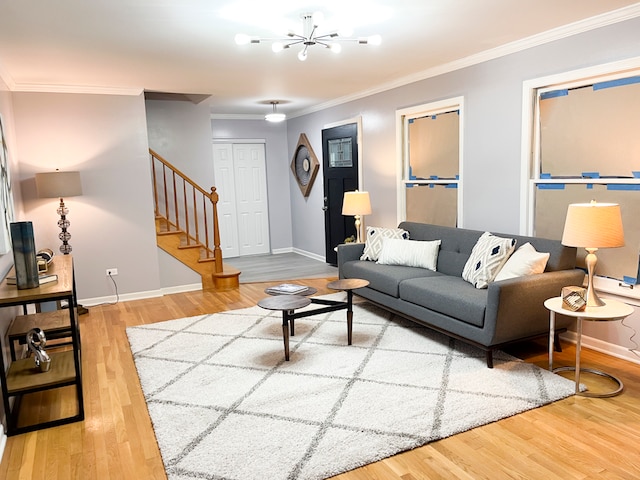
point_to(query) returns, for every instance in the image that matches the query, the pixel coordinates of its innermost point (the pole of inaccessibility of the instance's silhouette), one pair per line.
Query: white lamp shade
(593, 225)
(356, 203)
(58, 184)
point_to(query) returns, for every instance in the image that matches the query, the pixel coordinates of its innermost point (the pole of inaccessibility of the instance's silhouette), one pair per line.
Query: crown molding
(86, 89)
(592, 23)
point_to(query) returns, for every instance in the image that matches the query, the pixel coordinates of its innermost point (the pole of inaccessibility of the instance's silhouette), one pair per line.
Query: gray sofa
(507, 311)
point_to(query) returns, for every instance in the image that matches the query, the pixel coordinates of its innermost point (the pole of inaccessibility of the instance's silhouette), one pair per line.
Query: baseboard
(603, 347)
(279, 251)
(125, 297)
(314, 256)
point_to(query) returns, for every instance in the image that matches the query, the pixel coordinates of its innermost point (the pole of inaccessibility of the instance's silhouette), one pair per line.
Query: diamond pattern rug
(225, 405)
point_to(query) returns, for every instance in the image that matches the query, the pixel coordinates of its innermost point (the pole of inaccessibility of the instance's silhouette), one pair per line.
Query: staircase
(187, 224)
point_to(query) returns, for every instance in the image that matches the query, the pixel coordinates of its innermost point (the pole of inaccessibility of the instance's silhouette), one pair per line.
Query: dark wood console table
(22, 377)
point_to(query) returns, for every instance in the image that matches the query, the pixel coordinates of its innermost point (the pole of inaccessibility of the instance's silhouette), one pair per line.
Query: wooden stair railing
(189, 214)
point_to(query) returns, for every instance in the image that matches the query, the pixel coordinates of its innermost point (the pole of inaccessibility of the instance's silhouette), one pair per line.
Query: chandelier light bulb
(274, 116)
(242, 39)
(302, 55)
(336, 47)
(277, 47)
(318, 17)
(374, 40)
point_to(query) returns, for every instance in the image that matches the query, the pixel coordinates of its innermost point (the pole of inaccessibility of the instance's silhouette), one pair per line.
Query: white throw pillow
(524, 261)
(487, 258)
(373, 240)
(412, 253)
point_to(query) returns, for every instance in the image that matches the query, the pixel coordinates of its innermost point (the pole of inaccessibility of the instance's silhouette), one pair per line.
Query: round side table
(612, 310)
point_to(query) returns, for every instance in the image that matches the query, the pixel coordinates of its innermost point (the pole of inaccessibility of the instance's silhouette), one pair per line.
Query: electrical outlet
(111, 272)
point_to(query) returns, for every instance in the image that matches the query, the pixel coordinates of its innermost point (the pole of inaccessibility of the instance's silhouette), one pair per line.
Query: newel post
(217, 251)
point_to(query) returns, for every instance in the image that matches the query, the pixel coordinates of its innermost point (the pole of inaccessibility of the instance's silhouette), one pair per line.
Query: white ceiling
(187, 46)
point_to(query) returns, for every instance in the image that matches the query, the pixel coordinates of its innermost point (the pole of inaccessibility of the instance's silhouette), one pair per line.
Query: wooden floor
(576, 438)
(280, 267)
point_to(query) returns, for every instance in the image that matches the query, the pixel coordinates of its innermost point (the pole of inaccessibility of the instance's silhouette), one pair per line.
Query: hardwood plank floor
(576, 438)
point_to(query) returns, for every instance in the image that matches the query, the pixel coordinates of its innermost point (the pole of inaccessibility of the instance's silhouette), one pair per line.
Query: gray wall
(112, 223)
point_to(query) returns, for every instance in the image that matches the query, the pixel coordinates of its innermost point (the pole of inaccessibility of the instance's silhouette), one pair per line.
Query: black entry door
(340, 170)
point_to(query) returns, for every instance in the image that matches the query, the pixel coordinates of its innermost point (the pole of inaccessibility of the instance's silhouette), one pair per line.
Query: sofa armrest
(348, 252)
(515, 307)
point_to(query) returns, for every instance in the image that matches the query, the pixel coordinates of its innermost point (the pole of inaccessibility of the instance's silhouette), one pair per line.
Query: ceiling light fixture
(275, 116)
(310, 37)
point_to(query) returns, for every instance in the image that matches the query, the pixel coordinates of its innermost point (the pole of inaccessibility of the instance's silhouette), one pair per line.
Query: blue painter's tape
(411, 120)
(590, 174)
(629, 280)
(451, 185)
(432, 185)
(616, 83)
(410, 185)
(550, 186)
(545, 175)
(589, 186)
(433, 117)
(554, 94)
(433, 177)
(636, 174)
(458, 177)
(623, 186)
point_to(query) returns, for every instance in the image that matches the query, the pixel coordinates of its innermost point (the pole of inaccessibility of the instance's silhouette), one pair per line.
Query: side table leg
(552, 327)
(285, 333)
(349, 316)
(578, 348)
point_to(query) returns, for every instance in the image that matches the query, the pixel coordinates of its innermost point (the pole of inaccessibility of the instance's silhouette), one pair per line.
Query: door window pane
(340, 154)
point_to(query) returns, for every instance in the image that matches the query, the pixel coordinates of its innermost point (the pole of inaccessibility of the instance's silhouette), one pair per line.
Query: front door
(340, 170)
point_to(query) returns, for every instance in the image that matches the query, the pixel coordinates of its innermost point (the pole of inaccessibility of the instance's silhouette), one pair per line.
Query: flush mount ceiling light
(274, 116)
(310, 37)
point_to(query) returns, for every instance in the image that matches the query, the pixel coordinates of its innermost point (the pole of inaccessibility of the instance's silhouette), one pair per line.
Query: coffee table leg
(349, 315)
(285, 333)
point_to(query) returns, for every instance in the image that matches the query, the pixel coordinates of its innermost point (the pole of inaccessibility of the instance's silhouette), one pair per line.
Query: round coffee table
(287, 304)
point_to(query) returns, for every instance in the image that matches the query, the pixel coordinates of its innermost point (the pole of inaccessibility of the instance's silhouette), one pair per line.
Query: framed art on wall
(6, 196)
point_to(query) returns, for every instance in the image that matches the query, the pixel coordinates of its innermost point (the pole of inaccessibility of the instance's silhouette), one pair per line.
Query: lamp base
(593, 300)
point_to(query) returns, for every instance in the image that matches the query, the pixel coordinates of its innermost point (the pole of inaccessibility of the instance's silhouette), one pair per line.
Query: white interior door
(223, 172)
(240, 176)
(251, 198)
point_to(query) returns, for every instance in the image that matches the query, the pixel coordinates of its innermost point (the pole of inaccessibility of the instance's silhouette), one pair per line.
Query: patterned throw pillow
(487, 258)
(373, 240)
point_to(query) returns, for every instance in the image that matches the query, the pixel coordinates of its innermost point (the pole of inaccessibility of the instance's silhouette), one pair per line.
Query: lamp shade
(58, 184)
(593, 225)
(356, 203)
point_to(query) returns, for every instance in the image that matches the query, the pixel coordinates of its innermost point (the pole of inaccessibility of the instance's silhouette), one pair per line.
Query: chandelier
(309, 38)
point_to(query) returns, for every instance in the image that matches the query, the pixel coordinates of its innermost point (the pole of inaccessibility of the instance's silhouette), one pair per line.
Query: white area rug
(225, 405)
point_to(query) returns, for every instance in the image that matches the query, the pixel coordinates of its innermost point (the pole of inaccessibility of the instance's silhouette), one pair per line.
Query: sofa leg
(490, 358)
(556, 342)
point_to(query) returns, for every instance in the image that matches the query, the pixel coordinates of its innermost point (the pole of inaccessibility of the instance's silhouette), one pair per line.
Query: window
(584, 145)
(430, 152)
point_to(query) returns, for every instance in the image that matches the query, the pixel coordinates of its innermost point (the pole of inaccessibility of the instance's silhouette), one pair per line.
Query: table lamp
(356, 204)
(593, 226)
(59, 185)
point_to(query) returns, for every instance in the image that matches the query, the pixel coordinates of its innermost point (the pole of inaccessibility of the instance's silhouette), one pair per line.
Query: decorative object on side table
(356, 204)
(36, 340)
(24, 255)
(574, 298)
(59, 185)
(593, 226)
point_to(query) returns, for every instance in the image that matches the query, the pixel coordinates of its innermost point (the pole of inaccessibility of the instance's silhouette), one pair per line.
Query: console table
(22, 377)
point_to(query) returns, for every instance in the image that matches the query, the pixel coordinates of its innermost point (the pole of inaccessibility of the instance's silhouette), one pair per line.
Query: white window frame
(403, 116)
(530, 154)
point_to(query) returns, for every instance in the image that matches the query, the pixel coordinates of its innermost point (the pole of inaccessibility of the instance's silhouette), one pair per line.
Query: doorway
(340, 162)
(240, 174)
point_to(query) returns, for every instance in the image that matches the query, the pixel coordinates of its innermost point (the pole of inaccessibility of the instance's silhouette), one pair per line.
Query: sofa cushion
(488, 256)
(526, 260)
(410, 253)
(384, 278)
(373, 240)
(448, 295)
